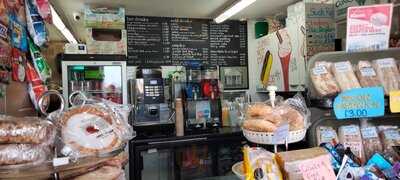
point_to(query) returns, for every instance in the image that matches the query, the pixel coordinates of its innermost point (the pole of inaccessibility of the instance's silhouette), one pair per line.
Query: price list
(172, 41)
(189, 40)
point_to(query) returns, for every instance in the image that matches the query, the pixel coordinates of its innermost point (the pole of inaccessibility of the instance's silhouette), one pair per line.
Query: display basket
(267, 137)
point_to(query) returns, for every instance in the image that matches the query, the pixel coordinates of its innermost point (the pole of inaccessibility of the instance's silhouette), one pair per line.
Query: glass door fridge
(102, 76)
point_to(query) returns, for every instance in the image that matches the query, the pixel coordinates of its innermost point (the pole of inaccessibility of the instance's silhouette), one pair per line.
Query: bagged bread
(344, 75)
(28, 130)
(13, 154)
(371, 141)
(366, 74)
(326, 134)
(387, 73)
(350, 136)
(323, 80)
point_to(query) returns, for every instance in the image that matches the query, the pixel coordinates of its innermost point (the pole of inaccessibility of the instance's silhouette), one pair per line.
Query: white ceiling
(168, 8)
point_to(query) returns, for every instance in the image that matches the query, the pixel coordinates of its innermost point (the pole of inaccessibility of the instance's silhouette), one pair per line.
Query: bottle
(179, 126)
(225, 114)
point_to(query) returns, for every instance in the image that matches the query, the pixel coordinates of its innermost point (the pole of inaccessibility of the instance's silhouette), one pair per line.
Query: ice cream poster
(368, 27)
(278, 62)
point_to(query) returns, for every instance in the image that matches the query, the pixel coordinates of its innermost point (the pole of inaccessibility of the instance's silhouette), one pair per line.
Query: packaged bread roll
(371, 141)
(323, 80)
(366, 74)
(350, 136)
(27, 130)
(388, 74)
(344, 75)
(13, 154)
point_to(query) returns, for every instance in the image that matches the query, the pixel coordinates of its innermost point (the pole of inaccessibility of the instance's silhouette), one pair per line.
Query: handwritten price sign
(318, 168)
(394, 101)
(360, 103)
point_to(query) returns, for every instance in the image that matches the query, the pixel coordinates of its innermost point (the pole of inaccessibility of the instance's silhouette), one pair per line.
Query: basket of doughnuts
(263, 119)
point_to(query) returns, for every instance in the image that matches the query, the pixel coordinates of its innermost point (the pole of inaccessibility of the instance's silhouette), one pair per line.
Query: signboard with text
(368, 27)
(360, 103)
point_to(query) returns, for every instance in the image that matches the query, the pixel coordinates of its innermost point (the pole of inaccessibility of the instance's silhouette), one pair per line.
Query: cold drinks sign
(360, 103)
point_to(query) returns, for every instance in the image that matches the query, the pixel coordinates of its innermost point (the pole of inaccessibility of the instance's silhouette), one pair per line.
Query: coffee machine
(149, 97)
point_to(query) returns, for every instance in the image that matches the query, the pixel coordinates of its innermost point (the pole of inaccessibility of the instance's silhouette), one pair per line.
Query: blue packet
(379, 161)
(17, 31)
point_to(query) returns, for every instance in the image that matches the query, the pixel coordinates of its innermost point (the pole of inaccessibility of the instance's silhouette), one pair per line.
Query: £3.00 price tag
(360, 103)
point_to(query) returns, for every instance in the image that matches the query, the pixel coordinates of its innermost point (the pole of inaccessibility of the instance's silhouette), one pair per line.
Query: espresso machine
(150, 96)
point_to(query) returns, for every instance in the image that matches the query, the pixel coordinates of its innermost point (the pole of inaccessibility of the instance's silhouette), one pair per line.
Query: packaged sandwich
(366, 74)
(371, 141)
(323, 80)
(390, 137)
(350, 136)
(344, 75)
(388, 74)
(326, 134)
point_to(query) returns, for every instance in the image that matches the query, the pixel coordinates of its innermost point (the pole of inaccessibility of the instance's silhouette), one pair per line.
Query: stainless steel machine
(149, 98)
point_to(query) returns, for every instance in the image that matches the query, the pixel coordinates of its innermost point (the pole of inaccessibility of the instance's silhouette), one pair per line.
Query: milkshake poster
(277, 62)
(368, 27)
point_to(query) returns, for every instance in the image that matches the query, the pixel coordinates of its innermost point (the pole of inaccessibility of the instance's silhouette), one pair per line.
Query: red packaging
(36, 86)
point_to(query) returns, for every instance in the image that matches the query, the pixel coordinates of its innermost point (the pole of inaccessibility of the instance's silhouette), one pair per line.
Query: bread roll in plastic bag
(345, 76)
(366, 74)
(371, 141)
(14, 154)
(350, 136)
(323, 80)
(27, 130)
(36, 26)
(93, 128)
(294, 110)
(388, 74)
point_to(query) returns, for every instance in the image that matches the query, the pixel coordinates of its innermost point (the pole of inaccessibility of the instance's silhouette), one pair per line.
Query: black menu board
(173, 41)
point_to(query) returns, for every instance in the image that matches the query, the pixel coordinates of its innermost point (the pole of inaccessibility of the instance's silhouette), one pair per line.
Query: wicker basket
(266, 137)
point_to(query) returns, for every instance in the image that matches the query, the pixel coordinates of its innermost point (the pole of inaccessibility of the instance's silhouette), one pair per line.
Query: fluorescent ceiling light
(61, 26)
(240, 5)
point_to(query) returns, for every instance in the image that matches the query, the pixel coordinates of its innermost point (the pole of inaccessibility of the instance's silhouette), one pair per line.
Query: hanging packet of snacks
(36, 87)
(18, 36)
(95, 127)
(17, 65)
(5, 51)
(43, 7)
(35, 23)
(40, 64)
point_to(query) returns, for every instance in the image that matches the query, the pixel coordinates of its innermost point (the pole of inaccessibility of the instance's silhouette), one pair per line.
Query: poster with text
(368, 27)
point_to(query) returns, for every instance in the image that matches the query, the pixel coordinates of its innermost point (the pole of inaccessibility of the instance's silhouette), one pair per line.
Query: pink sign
(368, 27)
(318, 168)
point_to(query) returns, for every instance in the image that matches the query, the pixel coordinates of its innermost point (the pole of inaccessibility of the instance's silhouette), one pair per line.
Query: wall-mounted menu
(173, 41)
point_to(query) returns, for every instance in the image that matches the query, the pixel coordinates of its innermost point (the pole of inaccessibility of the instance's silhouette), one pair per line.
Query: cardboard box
(104, 17)
(103, 41)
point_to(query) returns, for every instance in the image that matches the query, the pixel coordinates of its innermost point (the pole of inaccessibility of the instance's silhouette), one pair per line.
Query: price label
(317, 168)
(394, 101)
(281, 133)
(60, 161)
(360, 103)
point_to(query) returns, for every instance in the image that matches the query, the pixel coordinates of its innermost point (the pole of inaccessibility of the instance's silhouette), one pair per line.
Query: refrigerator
(101, 76)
